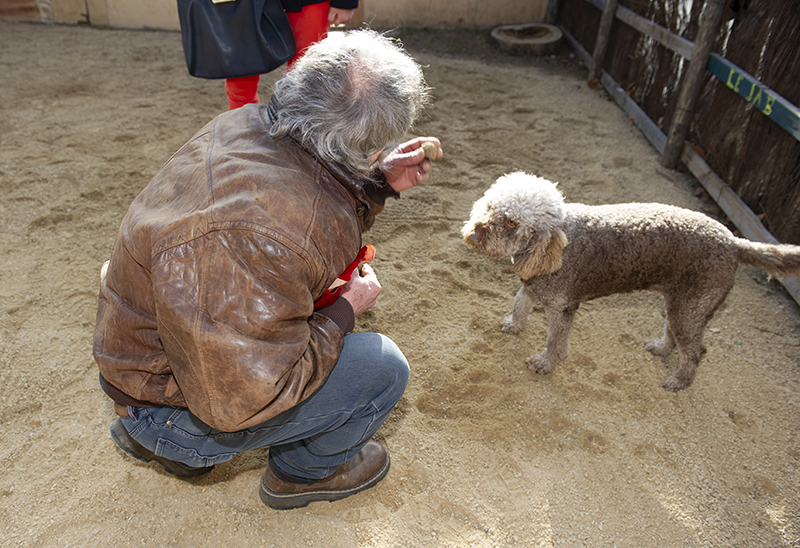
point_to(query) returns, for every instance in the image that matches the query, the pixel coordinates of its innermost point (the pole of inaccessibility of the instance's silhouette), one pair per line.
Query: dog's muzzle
(476, 234)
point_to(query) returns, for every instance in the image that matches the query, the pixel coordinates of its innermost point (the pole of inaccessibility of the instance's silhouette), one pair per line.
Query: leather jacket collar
(370, 196)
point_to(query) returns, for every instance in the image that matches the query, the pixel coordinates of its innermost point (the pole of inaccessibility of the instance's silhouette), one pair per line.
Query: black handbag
(234, 38)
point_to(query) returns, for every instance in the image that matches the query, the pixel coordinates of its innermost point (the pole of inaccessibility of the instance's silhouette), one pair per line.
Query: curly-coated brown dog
(566, 254)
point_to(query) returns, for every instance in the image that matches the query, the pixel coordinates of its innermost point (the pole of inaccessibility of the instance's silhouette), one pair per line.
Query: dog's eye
(511, 224)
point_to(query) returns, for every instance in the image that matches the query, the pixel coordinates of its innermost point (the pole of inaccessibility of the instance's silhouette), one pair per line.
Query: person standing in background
(310, 21)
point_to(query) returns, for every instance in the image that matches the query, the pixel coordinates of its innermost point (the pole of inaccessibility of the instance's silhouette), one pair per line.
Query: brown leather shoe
(136, 450)
(361, 472)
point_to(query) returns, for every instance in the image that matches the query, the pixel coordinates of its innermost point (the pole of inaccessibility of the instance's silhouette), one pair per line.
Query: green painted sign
(769, 103)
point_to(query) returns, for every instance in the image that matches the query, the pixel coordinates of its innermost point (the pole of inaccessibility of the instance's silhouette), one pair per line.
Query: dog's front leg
(520, 310)
(559, 324)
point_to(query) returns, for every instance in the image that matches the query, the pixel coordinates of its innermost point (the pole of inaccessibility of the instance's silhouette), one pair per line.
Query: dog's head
(520, 216)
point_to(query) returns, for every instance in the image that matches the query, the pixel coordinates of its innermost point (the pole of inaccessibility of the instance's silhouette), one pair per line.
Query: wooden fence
(671, 81)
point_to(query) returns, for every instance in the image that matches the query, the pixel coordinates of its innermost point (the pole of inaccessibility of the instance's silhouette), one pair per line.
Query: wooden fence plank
(663, 36)
(737, 211)
(639, 117)
(769, 103)
(580, 51)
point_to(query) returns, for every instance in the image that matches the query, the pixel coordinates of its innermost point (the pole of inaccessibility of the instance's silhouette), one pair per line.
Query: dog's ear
(542, 256)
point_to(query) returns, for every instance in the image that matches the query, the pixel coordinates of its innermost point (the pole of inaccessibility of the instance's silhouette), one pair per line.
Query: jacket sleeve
(237, 322)
(344, 4)
(297, 5)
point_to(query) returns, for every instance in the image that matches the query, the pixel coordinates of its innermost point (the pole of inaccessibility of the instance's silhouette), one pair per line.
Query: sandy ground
(485, 453)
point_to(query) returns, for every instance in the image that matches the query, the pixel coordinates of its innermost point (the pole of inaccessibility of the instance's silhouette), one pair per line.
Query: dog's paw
(658, 347)
(508, 326)
(674, 383)
(540, 364)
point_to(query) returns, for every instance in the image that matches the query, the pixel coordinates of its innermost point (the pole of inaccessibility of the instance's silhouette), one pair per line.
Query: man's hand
(362, 290)
(408, 166)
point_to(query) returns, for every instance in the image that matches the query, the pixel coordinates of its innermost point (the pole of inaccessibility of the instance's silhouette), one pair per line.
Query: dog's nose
(477, 233)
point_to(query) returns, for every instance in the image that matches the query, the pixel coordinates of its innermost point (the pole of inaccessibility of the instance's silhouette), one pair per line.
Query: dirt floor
(485, 453)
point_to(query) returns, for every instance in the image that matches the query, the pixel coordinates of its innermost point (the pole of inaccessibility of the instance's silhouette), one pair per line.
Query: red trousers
(308, 26)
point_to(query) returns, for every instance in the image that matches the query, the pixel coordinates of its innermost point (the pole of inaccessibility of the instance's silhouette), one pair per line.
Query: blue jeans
(309, 441)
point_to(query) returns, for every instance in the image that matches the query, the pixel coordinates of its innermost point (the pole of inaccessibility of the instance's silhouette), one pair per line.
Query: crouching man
(217, 328)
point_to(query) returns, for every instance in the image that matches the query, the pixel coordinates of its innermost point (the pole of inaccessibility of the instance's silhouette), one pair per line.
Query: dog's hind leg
(687, 318)
(663, 346)
(520, 310)
(559, 324)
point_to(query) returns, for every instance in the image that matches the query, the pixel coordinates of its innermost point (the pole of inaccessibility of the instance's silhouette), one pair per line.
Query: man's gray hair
(351, 96)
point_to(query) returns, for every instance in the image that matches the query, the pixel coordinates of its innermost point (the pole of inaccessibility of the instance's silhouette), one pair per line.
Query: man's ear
(542, 256)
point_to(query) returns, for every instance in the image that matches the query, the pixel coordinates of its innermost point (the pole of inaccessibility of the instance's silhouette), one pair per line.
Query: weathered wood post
(552, 12)
(709, 25)
(601, 43)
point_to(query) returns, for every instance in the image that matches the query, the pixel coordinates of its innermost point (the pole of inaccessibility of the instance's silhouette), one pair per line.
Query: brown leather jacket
(208, 299)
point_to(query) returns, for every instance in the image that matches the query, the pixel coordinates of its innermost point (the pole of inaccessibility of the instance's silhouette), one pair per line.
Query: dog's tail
(781, 260)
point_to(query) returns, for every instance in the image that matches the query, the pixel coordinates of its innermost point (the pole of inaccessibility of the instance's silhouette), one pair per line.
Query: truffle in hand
(431, 150)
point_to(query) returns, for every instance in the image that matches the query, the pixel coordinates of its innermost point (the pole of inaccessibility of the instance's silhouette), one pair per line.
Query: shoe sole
(134, 449)
(278, 501)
